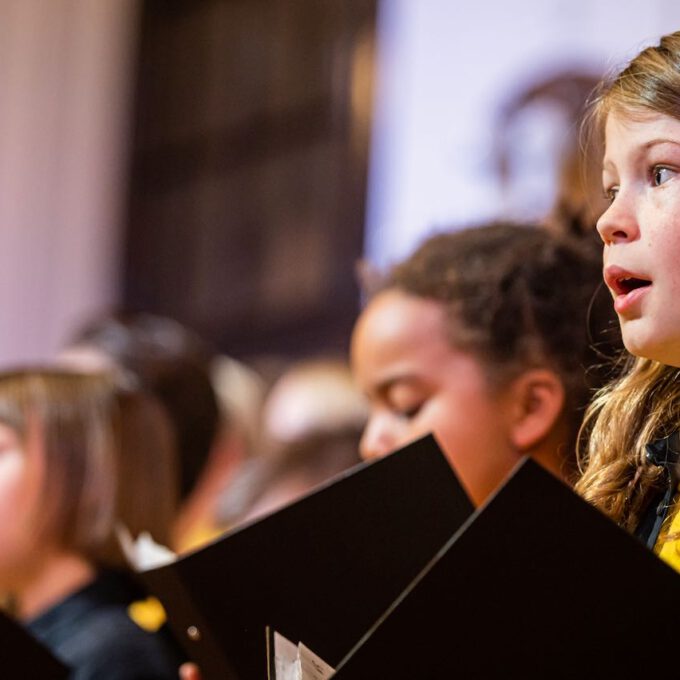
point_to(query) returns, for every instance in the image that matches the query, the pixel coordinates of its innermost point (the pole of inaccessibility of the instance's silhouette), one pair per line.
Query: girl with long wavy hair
(630, 466)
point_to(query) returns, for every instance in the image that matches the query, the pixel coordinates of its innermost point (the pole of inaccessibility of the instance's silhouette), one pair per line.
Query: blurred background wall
(228, 161)
(448, 72)
(66, 69)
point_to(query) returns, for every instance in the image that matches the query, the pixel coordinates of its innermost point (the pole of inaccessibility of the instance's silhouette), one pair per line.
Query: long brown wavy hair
(644, 403)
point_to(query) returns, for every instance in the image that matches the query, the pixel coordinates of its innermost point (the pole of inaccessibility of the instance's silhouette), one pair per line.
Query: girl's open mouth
(626, 285)
(622, 282)
(629, 291)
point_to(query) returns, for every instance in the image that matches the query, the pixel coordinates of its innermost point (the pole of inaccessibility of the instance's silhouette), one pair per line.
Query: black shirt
(92, 633)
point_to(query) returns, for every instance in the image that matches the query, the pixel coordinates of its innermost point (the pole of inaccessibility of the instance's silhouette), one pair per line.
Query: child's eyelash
(609, 194)
(656, 171)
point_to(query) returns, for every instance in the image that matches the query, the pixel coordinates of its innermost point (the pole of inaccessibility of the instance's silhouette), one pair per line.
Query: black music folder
(320, 571)
(22, 656)
(537, 584)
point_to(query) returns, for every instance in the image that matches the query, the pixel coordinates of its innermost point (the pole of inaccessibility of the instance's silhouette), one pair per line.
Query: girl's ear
(538, 401)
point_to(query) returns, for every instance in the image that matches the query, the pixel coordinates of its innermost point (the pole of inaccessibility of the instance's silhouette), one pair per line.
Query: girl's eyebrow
(609, 165)
(660, 140)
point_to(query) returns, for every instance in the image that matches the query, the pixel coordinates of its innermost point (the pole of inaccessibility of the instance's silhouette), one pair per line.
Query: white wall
(65, 68)
(444, 67)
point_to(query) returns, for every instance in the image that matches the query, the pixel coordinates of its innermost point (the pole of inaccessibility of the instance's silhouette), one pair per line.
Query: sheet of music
(298, 662)
(311, 666)
(286, 659)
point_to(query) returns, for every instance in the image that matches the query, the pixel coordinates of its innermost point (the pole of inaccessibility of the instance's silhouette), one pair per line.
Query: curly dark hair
(518, 297)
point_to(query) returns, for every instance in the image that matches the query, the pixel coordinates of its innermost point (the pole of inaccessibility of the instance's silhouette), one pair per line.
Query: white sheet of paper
(286, 661)
(312, 667)
(143, 552)
(297, 662)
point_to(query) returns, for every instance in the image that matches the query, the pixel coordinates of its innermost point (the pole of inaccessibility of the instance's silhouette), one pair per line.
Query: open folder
(537, 584)
(22, 656)
(320, 571)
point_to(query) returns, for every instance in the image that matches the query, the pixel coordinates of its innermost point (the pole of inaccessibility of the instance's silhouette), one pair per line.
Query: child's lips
(626, 303)
(628, 287)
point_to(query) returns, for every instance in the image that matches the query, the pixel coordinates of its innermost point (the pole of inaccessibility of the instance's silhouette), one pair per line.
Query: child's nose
(619, 222)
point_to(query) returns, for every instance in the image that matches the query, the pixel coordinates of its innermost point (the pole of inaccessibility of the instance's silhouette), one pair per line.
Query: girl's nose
(377, 440)
(619, 222)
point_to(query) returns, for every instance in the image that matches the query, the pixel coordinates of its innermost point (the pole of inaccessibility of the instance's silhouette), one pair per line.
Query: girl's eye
(610, 194)
(410, 412)
(660, 175)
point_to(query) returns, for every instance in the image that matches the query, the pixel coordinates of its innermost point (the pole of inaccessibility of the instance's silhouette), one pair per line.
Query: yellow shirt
(669, 550)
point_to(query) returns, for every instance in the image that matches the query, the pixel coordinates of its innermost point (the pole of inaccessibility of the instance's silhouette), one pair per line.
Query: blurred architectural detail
(249, 169)
(544, 161)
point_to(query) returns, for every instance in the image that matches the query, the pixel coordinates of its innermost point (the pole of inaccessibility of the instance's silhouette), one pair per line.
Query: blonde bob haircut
(644, 403)
(108, 458)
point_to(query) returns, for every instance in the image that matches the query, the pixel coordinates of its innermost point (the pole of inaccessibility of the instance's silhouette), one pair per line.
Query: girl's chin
(644, 347)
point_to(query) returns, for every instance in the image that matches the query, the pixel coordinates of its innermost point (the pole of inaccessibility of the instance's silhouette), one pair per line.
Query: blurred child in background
(312, 420)
(80, 460)
(173, 364)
